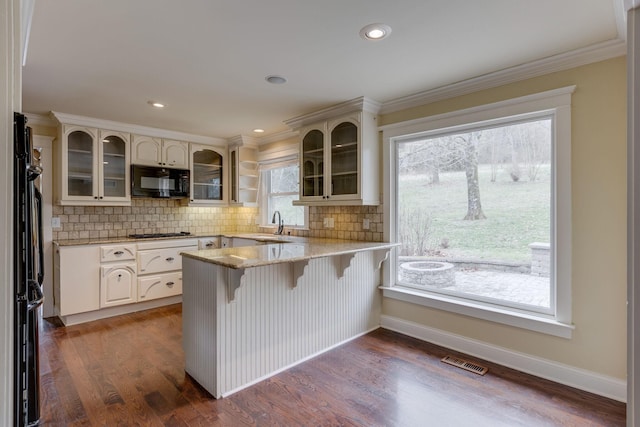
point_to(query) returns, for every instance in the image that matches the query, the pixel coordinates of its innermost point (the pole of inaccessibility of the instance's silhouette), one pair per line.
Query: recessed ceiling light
(258, 130)
(276, 80)
(375, 31)
(156, 104)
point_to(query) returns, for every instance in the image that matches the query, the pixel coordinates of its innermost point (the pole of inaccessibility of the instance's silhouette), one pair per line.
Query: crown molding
(40, 120)
(279, 136)
(243, 140)
(137, 129)
(358, 104)
(595, 53)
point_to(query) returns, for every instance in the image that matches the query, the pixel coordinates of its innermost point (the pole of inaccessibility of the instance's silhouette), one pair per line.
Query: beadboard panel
(273, 321)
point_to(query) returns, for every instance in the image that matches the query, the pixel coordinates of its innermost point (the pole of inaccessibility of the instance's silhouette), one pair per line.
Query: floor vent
(466, 365)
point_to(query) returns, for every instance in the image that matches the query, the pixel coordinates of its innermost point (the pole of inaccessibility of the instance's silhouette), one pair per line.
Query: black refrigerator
(28, 269)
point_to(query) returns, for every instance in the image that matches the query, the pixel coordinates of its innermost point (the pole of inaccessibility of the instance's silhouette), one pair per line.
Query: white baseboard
(90, 316)
(602, 385)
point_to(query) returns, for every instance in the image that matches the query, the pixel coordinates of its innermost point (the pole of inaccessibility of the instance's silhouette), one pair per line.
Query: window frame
(265, 193)
(555, 103)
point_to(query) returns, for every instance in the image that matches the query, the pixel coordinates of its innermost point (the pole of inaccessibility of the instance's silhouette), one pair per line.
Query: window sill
(494, 314)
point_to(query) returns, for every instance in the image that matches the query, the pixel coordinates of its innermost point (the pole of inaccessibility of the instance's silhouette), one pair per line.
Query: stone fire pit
(428, 273)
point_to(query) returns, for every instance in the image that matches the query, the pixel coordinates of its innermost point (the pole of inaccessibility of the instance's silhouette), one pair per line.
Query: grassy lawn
(517, 214)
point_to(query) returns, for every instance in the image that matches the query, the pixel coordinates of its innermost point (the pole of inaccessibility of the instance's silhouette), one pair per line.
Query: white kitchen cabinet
(160, 286)
(92, 166)
(159, 260)
(159, 268)
(209, 242)
(150, 151)
(208, 175)
(120, 252)
(339, 155)
(76, 274)
(117, 274)
(118, 284)
(238, 242)
(244, 175)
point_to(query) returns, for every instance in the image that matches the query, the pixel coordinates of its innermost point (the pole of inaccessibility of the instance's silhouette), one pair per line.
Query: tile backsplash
(169, 216)
(150, 216)
(348, 223)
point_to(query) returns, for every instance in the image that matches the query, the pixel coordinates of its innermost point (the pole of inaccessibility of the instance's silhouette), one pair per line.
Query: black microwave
(152, 181)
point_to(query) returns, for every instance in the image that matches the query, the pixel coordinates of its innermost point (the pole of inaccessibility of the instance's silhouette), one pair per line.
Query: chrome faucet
(280, 222)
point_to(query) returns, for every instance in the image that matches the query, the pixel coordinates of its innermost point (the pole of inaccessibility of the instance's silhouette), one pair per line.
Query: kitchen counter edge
(276, 253)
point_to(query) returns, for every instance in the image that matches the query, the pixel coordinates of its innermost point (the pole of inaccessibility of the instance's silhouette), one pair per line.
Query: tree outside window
(478, 203)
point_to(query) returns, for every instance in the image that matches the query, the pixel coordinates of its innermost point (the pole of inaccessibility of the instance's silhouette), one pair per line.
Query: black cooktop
(152, 235)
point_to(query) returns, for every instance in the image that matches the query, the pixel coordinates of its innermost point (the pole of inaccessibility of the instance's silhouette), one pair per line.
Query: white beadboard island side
(242, 325)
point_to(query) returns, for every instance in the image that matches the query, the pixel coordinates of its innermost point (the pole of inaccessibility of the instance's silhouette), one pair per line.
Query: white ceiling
(207, 59)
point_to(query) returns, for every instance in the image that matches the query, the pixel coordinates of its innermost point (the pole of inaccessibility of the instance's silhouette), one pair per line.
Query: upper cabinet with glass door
(93, 165)
(339, 155)
(208, 168)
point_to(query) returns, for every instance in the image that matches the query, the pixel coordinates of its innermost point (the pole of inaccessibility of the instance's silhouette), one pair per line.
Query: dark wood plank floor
(128, 371)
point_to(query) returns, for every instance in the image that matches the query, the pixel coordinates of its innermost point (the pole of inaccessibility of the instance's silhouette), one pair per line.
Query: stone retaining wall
(540, 259)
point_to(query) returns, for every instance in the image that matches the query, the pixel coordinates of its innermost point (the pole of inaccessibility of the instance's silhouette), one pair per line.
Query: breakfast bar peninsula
(250, 312)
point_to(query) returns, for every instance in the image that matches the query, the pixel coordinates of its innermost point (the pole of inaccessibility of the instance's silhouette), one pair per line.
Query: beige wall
(598, 224)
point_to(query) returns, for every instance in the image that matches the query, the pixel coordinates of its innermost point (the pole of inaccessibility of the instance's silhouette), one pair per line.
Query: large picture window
(474, 213)
(480, 202)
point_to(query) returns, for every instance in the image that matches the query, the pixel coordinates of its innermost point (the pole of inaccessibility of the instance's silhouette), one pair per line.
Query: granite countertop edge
(261, 237)
(258, 256)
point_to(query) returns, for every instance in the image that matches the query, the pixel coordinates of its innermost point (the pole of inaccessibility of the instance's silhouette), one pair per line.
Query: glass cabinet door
(313, 164)
(344, 159)
(80, 173)
(114, 166)
(207, 175)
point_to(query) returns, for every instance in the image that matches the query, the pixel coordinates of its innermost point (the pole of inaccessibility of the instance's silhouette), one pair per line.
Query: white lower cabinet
(159, 260)
(160, 268)
(118, 284)
(76, 274)
(159, 286)
(97, 281)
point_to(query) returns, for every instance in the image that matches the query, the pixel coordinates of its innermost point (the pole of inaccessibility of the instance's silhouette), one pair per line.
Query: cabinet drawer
(159, 286)
(161, 260)
(117, 253)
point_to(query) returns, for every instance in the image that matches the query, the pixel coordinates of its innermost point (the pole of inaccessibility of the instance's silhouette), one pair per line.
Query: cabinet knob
(170, 284)
(120, 276)
(95, 197)
(170, 259)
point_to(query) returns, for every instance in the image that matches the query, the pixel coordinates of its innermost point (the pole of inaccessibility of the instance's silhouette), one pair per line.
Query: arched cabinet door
(208, 179)
(175, 154)
(79, 159)
(114, 166)
(118, 284)
(146, 151)
(312, 163)
(344, 143)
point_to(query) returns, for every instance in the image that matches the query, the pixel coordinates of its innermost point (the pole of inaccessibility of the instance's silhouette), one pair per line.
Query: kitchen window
(280, 187)
(480, 202)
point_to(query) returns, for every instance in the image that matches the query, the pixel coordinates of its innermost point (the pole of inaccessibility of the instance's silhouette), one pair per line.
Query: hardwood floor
(128, 371)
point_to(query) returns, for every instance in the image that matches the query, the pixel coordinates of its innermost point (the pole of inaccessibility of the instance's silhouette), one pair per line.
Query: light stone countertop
(261, 237)
(275, 253)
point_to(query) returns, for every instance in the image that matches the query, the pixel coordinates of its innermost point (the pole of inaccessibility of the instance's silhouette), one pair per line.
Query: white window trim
(558, 102)
(265, 218)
